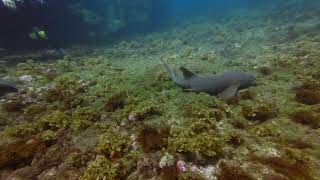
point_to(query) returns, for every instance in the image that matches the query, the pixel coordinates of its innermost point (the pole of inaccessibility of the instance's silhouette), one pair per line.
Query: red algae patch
(308, 118)
(296, 170)
(308, 93)
(232, 171)
(152, 139)
(19, 151)
(169, 172)
(259, 113)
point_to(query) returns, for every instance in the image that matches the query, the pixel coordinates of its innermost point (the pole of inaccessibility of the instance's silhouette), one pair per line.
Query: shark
(224, 86)
(6, 87)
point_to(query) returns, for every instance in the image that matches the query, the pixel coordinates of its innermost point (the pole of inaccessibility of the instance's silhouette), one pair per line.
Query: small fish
(6, 87)
(224, 86)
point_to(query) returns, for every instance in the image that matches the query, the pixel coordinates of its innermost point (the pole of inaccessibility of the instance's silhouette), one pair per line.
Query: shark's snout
(254, 82)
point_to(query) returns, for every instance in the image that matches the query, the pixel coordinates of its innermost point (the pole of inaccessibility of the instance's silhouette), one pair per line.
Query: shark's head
(248, 79)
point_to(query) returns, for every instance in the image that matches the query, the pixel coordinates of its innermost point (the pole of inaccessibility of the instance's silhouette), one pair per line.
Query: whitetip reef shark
(224, 86)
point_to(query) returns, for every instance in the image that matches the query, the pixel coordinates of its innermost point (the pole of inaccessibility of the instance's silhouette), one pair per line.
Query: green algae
(49, 135)
(116, 101)
(20, 130)
(83, 117)
(191, 175)
(55, 120)
(260, 113)
(34, 110)
(68, 89)
(206, 144)
(28, 67)
(103, 168)
(113, 143)
(143, 110)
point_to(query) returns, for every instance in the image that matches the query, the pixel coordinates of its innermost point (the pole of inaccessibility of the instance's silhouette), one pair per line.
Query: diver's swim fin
(7, 86)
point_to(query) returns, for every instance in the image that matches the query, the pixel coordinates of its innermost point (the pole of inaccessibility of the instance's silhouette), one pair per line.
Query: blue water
(97, 21)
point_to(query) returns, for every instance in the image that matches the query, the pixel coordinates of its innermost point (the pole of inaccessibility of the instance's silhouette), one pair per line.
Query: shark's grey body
(225, 85)
(6, 87)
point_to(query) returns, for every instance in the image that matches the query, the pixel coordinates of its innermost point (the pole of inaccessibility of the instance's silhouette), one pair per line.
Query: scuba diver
(20, 17)
(21, 6)
(11, 4)
(26, 14)
(16, 4)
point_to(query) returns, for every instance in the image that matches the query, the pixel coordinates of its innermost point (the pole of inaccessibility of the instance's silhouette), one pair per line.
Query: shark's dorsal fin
(187, 74)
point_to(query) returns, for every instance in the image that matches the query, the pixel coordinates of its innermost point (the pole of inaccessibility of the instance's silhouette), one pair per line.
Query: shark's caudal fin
(170, 70)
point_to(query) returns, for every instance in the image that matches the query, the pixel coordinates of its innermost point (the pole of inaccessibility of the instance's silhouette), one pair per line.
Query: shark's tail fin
(178, 79)
(170, 70)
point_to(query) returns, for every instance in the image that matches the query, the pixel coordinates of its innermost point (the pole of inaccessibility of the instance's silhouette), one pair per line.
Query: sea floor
(114, 113)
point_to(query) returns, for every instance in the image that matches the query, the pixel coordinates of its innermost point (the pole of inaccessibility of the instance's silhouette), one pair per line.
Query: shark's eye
(254, 82)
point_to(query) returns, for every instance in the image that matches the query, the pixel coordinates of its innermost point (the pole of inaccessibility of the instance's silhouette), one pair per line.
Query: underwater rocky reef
(114, 113)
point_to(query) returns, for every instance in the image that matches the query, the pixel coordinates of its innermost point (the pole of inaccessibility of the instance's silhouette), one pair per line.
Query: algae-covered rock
(202, 107)
(49, 135)
(14, 151)
(34, 110)
(206, 144)
(308, 93)
(142, 111)
(56, 120)
(86, 140)
(113, 143)
(20, 130)
(260, 112)
(101, 168)
(209, 56)
(309, 118)
(191, 175)
(169, 172)
(13, 105)
(308, 96)
(166, 160)
(83, 117)
(232, 170)
(291, 169)
(116, 101)
(152, 138)
(68, 89)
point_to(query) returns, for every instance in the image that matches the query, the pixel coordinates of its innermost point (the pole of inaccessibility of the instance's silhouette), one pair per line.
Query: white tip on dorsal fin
(187, 74)
(229, 92)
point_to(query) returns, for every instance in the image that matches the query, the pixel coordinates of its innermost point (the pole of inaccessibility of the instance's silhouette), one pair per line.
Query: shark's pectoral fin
(229, 92)
(188, 90)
